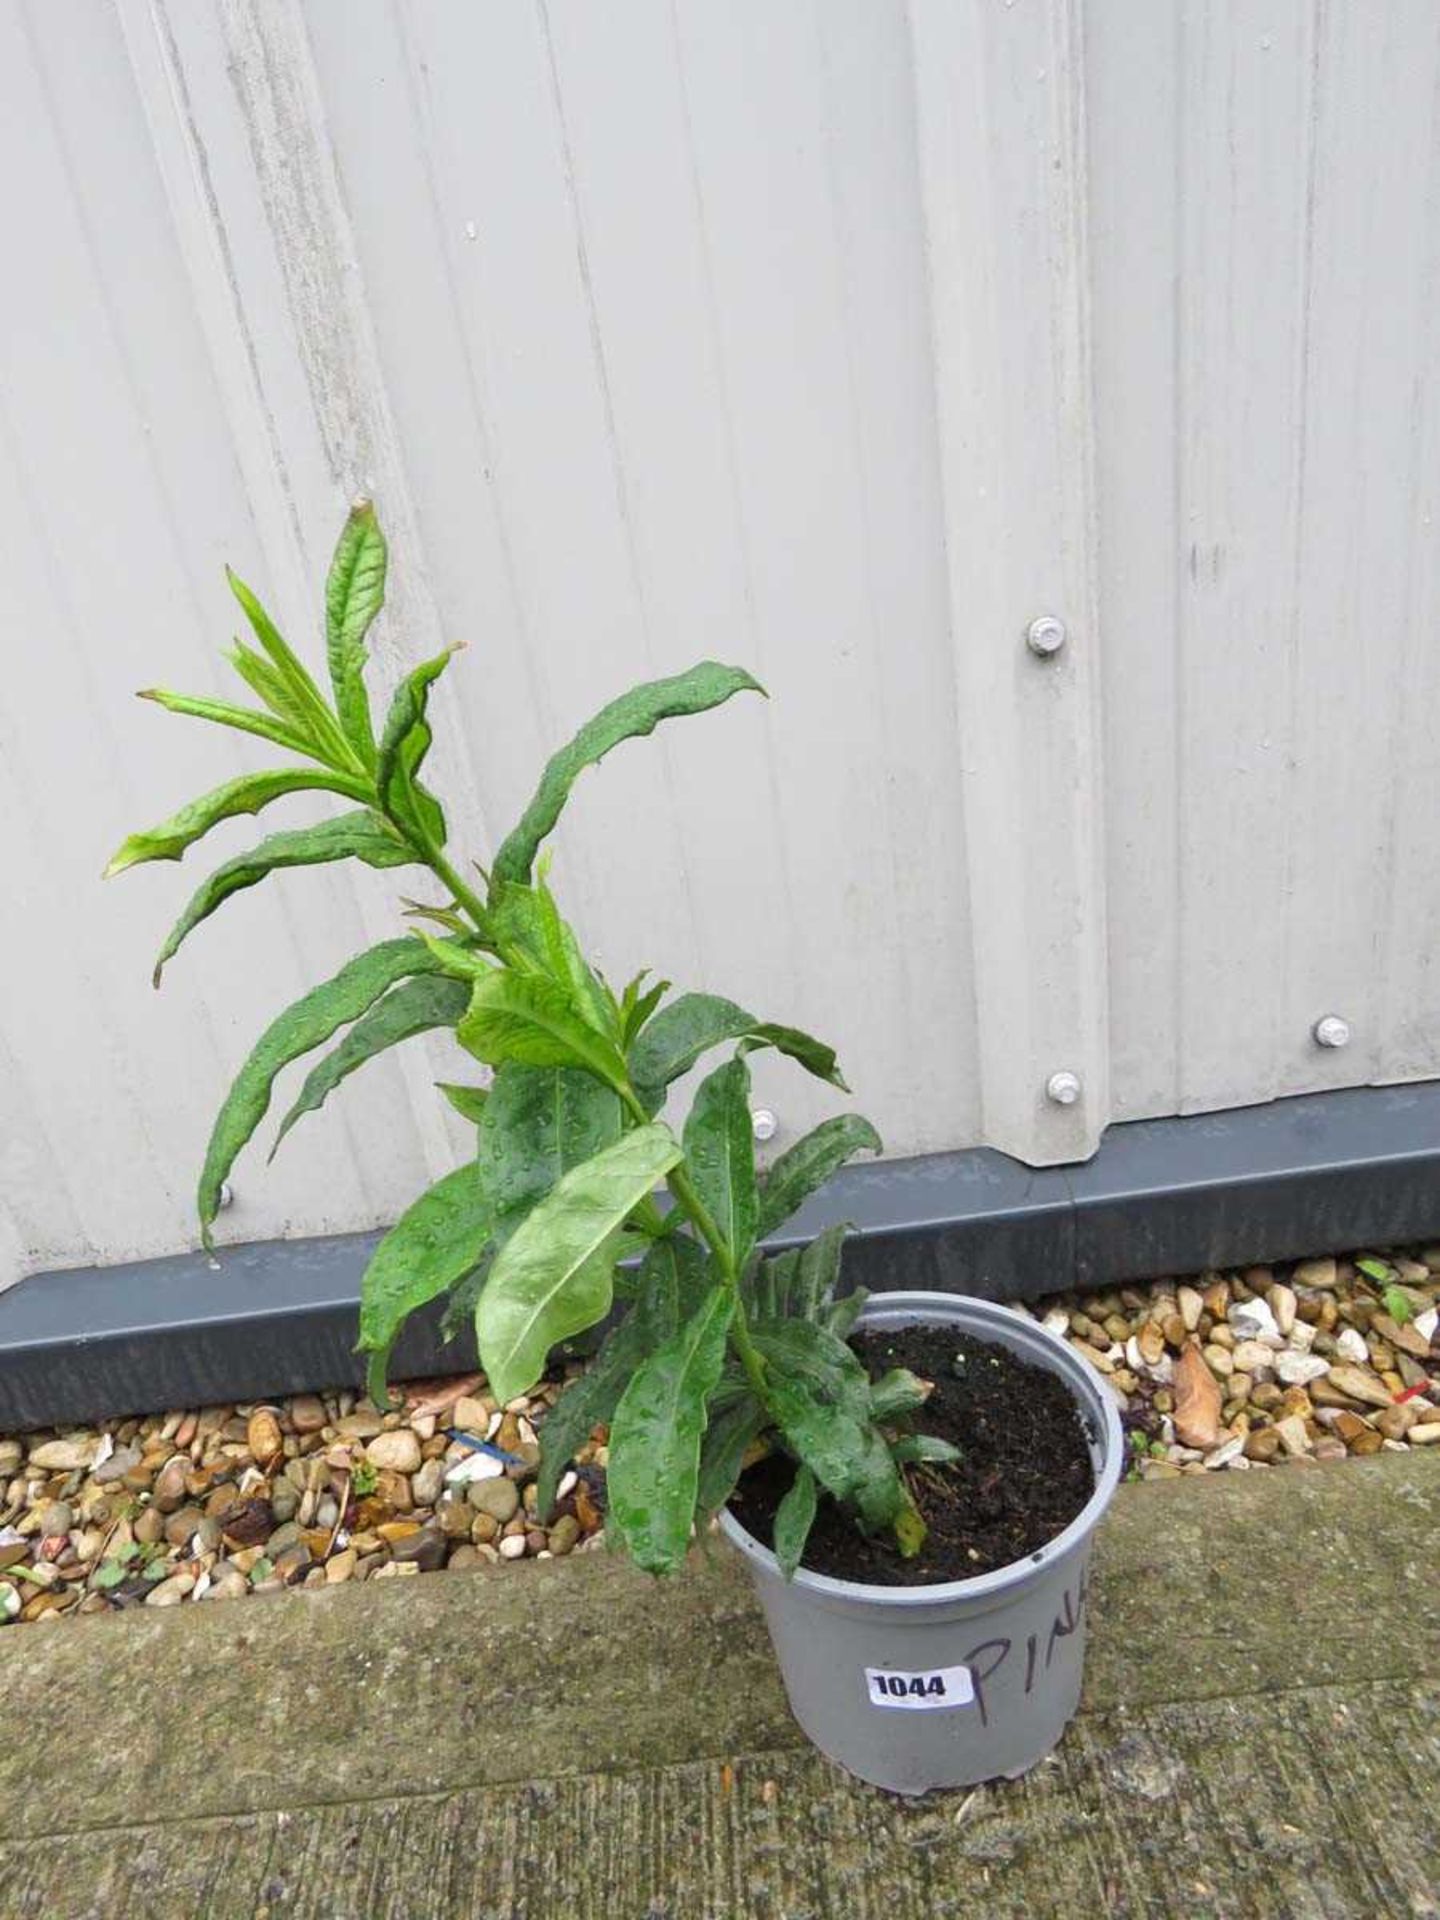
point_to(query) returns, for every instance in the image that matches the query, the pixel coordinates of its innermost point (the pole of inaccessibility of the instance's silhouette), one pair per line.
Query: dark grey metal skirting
(1326, 1171)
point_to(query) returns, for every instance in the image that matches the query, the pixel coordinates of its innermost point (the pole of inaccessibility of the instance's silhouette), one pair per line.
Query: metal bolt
(763, 1123)
(1063, 1088)
(1045, 635)
(1331, 1031)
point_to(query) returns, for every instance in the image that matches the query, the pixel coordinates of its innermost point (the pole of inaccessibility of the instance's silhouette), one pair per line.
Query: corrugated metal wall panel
(839, 340)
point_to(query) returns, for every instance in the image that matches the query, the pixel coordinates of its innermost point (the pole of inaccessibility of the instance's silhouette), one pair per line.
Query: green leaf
(430, 1249)
(926, 1449)
(354, 594)
(727, 1439)
(811, 1053)
(261, 677)
(654, 1472)
(294, 695)
(814, 1159)
(720, 1155)
(818, 1273)
(677, 1269)
(819, 1395)
(538, 1123)
(769, 1293)
(633, 714)
(1377, 1270)
(303, 1026)
(677, 1036)
(242, 719)
(246, 794)
(794, 1518)
(568, 966)
(840, 1316)
(552, 1279)
(897, 1392)
(468, 1102)
(350, 836)
(415, 1006)
(524, 1017)
(404, 743)
(1398, 1304)
(668, 1273)
(636, 1007)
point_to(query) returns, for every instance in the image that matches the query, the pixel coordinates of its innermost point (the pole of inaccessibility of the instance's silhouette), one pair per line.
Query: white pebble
(1350, 1345)
(1299, 1369)
(1301, 1336)
(512, 1547)
(494, 1426)
(1057, 1320)
(567, 1483)
(1253, 1320)
(475, 1466)
(1227, 1451)
(1426, 1323)
(1255, 1357)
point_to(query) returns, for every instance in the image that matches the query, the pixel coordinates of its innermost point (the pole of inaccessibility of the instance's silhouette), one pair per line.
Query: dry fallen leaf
(1197, 1399)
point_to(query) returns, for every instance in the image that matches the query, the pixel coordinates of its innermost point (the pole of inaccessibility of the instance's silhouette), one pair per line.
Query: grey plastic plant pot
(916, 1688)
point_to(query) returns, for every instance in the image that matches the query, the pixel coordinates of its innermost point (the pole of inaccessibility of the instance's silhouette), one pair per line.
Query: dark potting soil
(1023, 1475)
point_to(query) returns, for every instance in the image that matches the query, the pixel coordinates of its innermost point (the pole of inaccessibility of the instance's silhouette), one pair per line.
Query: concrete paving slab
(1261, 1735)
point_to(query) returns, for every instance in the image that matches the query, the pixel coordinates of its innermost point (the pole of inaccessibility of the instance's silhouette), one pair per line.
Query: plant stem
(464, 895)
(688, 1200)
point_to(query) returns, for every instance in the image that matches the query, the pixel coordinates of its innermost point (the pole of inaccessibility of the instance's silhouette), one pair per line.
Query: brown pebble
(264, 1438)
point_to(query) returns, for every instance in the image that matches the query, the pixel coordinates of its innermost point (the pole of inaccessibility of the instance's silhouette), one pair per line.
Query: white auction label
(920, 1692)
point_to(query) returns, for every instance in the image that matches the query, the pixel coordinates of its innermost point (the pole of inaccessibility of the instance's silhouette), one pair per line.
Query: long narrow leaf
(468, 1102)
(677, 1036)
(819, 1395)
(552, 1279)
(654, 1472)
(430, 1249)
(414, 1006)
(813, 1160)
(818, 1273)
(301, 694)
(531, 1019)
(303, 1026)
(351, 836)
(793, 1520)
(720, 1155)
(591, 1400)
(727, 1440)
(246, 794)
(242, 719)
(538, 1123)
(354, 594)
(405, 739)
(633, 714)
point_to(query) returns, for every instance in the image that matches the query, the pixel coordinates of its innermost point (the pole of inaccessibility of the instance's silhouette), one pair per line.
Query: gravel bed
(1266, 1367)
(1269, 1366)
(312, 1491)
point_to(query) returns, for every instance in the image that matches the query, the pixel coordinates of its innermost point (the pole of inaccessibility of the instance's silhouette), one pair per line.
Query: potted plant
(925, 1590)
